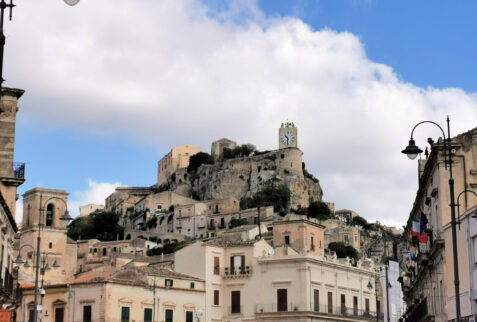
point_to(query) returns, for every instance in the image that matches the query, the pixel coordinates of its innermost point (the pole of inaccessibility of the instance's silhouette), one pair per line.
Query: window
(316, 300)
(343, 303)
(237, 264)
(216, 297)
(189, 212)
(216, 265)
(320, 244)
(169, 315)
(330, 302)
(50, 245)
(287, 240)
(95, 250)
(31, 315)
(59, 314)
(189, 316)
(105, 251)
(216, 208)
(222, 222)
(346, 239)
(192, 285)
(124, 314)
(87, 313)
(147, 315)
(282, 300)
(235, 299)
(355, 305)
(90, 250)
(168, 283)
(49, 215)
(312, 243)
(366, 305)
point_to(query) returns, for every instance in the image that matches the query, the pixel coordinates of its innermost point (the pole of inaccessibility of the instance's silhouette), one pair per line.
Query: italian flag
(416, 227)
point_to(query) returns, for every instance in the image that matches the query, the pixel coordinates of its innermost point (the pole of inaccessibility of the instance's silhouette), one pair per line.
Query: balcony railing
(19, 170)
(228, 272)
(350, 312)
(211, 227)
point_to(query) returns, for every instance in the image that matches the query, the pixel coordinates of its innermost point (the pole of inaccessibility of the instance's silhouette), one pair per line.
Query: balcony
(211, 227)
(294, 310)
(19, 170)
(236, 272)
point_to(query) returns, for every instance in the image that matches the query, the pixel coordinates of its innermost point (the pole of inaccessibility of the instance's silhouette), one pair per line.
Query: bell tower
(42, 209)
(287, 136)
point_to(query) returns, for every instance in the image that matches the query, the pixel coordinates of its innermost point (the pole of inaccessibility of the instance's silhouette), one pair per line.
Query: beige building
(349, 235)
(345, 215)
(120, 296)
(86, 210)
(428, 282)
(177, 158)
(291, 281)
(218, 147)
(12, 175)
(124, 197)
(46, 206)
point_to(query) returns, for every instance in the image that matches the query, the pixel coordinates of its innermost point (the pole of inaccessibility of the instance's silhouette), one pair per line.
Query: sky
(112, 85)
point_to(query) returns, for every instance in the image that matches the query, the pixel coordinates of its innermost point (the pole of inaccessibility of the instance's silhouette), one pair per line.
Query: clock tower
(287, 136)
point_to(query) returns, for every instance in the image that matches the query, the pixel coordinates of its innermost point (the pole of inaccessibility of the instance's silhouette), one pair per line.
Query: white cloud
(172, 72)
(95, 194)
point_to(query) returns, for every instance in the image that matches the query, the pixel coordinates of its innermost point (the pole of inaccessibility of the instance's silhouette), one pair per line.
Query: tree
(168, 248)
(243, 150)
(99, 225)
(199, 159)
(342, 250)
(234, 222)
(319, 210)
(359, 221)
(271, 194)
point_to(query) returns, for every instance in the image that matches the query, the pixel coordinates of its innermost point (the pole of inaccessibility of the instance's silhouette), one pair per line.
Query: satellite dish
(71, 2)
(271, 252)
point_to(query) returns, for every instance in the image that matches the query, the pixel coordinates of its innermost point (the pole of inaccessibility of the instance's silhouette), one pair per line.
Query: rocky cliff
(245, 176)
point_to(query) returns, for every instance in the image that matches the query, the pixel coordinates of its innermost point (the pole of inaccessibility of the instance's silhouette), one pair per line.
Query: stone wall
(241, 177)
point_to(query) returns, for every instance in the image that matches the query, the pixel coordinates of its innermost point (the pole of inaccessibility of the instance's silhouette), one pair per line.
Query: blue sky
(425, 44)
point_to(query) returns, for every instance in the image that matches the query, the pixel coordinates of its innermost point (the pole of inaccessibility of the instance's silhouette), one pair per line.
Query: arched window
(49, 215)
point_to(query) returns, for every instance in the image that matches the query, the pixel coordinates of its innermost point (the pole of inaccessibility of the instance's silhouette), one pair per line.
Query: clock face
(288, 138)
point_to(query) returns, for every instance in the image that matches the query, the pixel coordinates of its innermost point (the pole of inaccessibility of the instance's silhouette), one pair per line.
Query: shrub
(319, 210)
(199, 159)
(234, 222)
(342, 250)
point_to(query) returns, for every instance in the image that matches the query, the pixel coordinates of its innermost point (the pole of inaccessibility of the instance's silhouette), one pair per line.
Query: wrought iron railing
(351, 312)
(19, 170)
(236, 271)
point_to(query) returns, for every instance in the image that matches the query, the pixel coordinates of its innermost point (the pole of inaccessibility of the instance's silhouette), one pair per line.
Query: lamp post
(45, 266)
(370, 287)
(412, 151)
(458, 205)
(153, 289)
(3, 6)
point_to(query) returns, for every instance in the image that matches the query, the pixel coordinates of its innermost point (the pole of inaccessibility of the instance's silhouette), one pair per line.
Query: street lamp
(474, 215)
(153, 289)
(370, 287)
(71, 2)
(412, 151)
(45, 266)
